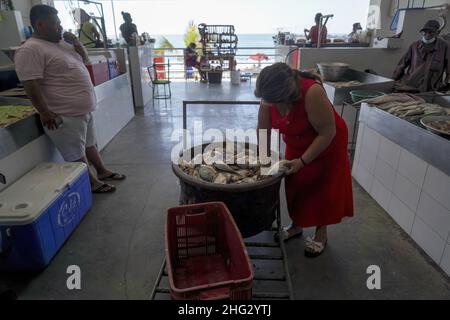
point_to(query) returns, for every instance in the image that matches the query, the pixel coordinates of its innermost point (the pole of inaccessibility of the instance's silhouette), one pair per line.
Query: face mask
(424, 40)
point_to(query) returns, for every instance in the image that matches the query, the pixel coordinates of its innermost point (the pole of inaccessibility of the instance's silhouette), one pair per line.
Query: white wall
(417, 3)
(24, 6)
(381, 12)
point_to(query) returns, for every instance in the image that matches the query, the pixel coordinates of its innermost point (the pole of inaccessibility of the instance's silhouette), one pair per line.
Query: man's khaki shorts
(73, 136)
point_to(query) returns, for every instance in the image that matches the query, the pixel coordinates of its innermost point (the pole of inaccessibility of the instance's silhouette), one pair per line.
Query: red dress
(321, 193)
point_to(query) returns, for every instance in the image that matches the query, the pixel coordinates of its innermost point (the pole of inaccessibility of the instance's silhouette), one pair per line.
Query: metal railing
(244, 62)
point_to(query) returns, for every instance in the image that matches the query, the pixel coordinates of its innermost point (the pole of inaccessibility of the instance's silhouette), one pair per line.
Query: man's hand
(295, 166)
(48, 120)
(71, 38)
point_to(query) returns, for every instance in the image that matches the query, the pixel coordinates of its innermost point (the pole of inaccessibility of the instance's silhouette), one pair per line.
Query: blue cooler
(39, 212)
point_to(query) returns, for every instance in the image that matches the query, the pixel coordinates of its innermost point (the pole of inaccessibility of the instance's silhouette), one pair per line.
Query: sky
(159, 17)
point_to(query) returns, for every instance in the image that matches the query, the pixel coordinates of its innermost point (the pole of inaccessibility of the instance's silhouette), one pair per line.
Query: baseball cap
(431, 25)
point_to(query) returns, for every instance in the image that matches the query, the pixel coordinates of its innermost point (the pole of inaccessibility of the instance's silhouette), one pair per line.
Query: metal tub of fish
(253, 203)
(339, 92)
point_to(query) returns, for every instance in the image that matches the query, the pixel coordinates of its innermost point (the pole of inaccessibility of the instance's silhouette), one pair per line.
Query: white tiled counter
(412, 190)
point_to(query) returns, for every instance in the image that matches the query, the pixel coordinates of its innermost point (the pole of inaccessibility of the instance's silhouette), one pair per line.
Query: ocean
(264, 43)
(244, 40)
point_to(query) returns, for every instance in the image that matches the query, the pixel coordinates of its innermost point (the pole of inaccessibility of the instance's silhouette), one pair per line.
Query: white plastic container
(235, 77)
(39, 212)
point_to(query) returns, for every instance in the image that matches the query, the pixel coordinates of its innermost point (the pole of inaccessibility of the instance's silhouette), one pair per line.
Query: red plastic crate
(206, 256)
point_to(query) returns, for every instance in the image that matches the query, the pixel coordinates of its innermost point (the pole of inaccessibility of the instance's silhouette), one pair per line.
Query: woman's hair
(279, 83)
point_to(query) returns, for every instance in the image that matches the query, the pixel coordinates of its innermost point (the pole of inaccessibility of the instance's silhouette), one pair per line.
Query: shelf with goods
(219, 45)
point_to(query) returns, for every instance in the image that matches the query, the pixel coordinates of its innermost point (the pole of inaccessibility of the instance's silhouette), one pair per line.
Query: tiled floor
(120, 244)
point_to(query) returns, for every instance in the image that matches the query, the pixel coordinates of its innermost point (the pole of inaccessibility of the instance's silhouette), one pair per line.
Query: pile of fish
(212, 167)
(443, 126)
(346, 84)
(414, 110)
(12, 114)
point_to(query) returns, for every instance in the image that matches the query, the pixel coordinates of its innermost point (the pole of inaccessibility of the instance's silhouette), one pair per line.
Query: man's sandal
(314, 249)
(104, 188)
(114, 177)
(291, 232)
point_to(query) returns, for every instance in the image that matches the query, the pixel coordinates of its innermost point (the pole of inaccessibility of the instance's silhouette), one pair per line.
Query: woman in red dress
(318, 185)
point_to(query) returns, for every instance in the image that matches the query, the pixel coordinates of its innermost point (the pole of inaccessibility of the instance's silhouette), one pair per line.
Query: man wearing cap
(353, 37)
(422, 68)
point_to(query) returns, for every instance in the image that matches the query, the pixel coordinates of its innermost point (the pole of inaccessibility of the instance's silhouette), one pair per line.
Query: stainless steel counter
(368, 82)
(428, 146)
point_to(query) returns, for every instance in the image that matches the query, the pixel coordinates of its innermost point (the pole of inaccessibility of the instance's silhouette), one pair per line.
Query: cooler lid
(25, 200)
(95, 59)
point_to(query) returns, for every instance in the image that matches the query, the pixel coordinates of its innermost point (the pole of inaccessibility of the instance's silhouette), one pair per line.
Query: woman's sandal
(291, 232)
(104, 188)
(314, 249)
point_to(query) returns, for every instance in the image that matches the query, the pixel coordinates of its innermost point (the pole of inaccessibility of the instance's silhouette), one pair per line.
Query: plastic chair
(160, 76)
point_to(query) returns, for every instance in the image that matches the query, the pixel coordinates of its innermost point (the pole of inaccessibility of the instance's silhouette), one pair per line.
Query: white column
(380, 16)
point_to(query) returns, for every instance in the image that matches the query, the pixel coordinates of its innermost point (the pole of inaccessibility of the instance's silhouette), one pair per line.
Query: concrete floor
(119, 245)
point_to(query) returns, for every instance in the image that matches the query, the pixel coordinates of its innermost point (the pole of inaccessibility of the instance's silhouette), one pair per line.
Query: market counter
(114, 108)
(23, 144)
(406, 169)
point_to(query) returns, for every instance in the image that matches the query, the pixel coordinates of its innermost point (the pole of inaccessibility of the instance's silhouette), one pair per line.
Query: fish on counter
(421, 109)
(442, 126)
(439, 125)
(396, 98)
(12, 114)
(345, 84)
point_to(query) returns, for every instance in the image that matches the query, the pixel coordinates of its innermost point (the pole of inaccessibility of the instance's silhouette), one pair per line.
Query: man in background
(54, 75)
(424, 65)
(191, 60)
(353, 37)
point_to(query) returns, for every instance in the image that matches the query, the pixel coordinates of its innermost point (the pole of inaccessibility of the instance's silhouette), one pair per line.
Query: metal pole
(158, 280)
(114, 19)
(105, 39)
(184, 125)
(319, 37)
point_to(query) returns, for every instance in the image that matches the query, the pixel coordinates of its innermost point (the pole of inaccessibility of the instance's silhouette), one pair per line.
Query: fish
(207, 173)
(221, 166)
(414, 112)
(249, 180)
(184, 165)
(244, 173)
(221, 179)
(234, 178)
(198, 160)
(277, 167)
